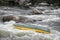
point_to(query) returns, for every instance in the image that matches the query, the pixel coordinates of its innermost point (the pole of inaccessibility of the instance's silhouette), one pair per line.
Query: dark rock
(10, 17)
(7, 18)
(21, 19)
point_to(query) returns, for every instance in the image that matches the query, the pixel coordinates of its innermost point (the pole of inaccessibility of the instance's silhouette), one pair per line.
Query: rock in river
(10, 17)
(36, 11)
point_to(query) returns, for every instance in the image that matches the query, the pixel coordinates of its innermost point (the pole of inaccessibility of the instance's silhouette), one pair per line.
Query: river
(50, 18)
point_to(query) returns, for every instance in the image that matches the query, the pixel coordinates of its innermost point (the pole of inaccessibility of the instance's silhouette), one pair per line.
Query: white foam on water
(8, 32)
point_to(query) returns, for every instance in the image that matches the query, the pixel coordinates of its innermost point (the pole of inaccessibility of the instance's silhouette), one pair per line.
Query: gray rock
(36, 11)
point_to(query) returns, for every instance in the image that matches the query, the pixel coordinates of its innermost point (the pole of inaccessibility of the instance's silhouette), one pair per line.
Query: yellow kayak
(38, 29)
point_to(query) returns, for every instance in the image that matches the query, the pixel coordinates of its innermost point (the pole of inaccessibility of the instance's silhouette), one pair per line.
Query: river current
(50, 18)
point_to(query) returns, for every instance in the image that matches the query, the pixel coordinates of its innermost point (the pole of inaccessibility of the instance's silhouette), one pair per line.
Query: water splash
(7, 31)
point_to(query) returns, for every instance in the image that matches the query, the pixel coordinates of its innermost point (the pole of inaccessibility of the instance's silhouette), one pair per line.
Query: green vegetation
(54, 2)
(12, 2)
(7, 3)
(3, 2)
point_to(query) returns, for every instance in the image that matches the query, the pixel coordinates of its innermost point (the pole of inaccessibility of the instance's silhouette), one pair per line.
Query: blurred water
(8, 32)
(50, 18)
(18, 11)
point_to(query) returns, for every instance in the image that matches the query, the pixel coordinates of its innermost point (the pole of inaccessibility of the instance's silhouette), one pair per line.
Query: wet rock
(7, 18)
(21, 19)
(43, 4)
(10, 17)
(36, 11)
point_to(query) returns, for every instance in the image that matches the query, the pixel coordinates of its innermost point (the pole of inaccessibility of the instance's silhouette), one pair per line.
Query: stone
(17, 19)
(10, 17)
(7, 18)
(36, 11)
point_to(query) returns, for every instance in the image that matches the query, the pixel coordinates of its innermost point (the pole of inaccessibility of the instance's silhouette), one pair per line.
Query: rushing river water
(50, 18)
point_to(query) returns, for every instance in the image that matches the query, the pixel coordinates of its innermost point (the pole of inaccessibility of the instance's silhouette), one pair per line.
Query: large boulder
(7, 18)
(36, 11)
(10, 17)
